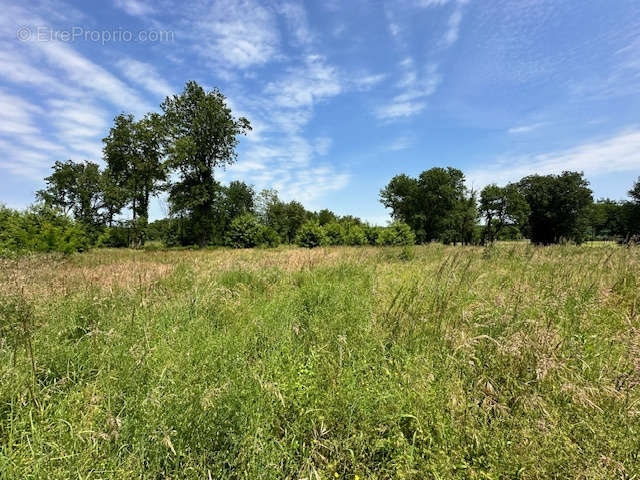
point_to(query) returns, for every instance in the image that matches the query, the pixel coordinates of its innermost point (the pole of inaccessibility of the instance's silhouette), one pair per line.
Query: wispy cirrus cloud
(401, 143)
(453, 24)
(135, 7)
(415, 86)
(17, 115)
(145, 75)
(234, 34)
(526, 128)
(298, 24)
(305, 85)
(618, 153)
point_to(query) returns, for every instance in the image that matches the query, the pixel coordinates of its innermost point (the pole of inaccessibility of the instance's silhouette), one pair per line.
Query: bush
(396, 234)
(268, 237)
(311, 235)
(244, 232)
(355, 235)
(335, 233)
(40, 229)
(115, 237)
(178, 233)
(372, 233)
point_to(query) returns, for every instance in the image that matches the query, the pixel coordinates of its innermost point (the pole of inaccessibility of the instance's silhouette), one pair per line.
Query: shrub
(311, 235)
(396, 234)
(244, 232)
(268, 237)
(335, 233)
(115, 237)
(40, 229)
(372, 233)
(355, 235)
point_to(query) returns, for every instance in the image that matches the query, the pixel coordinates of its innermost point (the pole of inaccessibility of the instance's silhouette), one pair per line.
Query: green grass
(444, 362)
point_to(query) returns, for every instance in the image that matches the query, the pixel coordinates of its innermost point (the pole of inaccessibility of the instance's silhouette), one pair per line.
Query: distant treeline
(546, 209)
(178, 150)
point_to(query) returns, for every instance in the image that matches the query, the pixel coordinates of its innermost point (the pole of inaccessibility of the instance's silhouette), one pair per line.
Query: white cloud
(290, 167)
(90, 76)
(526, 128)
(453, 26)
(21, 160)
(137, 8)
(303, 86)
(620, 153)
(296, 17)
(415, 87)
(236, 33)
(399, 110)
(145, 75)
(16, 68)
(366, 82)
(322, 145)
(17, 115)
(431, 3)
(401, 143)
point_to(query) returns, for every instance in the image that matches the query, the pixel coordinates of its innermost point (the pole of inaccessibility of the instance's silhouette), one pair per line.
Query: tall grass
(442, 362)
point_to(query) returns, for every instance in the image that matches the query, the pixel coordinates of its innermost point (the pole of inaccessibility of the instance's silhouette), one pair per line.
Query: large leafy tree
(239, 199)
(203, 135)
(502, 207)
(632, 212)
(559, 205)
(606, 219)
(634, 193)
(133, 151)
(286, 218)
(429, 203)
(75, 188)
(464, 218)
(326, 216)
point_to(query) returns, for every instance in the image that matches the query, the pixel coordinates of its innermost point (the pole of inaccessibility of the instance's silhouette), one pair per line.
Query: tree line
(177, 152)
(546, 209)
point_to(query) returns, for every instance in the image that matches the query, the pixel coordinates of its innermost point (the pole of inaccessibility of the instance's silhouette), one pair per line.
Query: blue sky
(342, 95)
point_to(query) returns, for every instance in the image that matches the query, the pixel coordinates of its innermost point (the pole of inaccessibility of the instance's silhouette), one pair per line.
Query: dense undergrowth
(436, 362)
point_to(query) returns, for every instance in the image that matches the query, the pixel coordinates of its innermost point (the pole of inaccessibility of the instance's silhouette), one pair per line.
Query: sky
(342, 95)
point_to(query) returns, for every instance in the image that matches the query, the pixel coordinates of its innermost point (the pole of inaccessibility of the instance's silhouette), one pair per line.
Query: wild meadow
(510, 361)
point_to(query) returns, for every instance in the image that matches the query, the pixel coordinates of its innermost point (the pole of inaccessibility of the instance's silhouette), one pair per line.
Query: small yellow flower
(336, 475)
(357, 477)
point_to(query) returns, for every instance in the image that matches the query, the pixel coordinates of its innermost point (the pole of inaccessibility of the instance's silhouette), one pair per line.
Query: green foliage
(335, 233)
(75, 188)
(559, 207)
(179, 232)
(311, 235)
(133, 151)
(285, 218)
(434, 205)
(354, 235)
(244, 232)
(40, 229)
(268, 237)
(372, 233)
(202, 135)
(503, 208)
(396, 234)
(157, 230)
(118, 236)
(326, 217)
